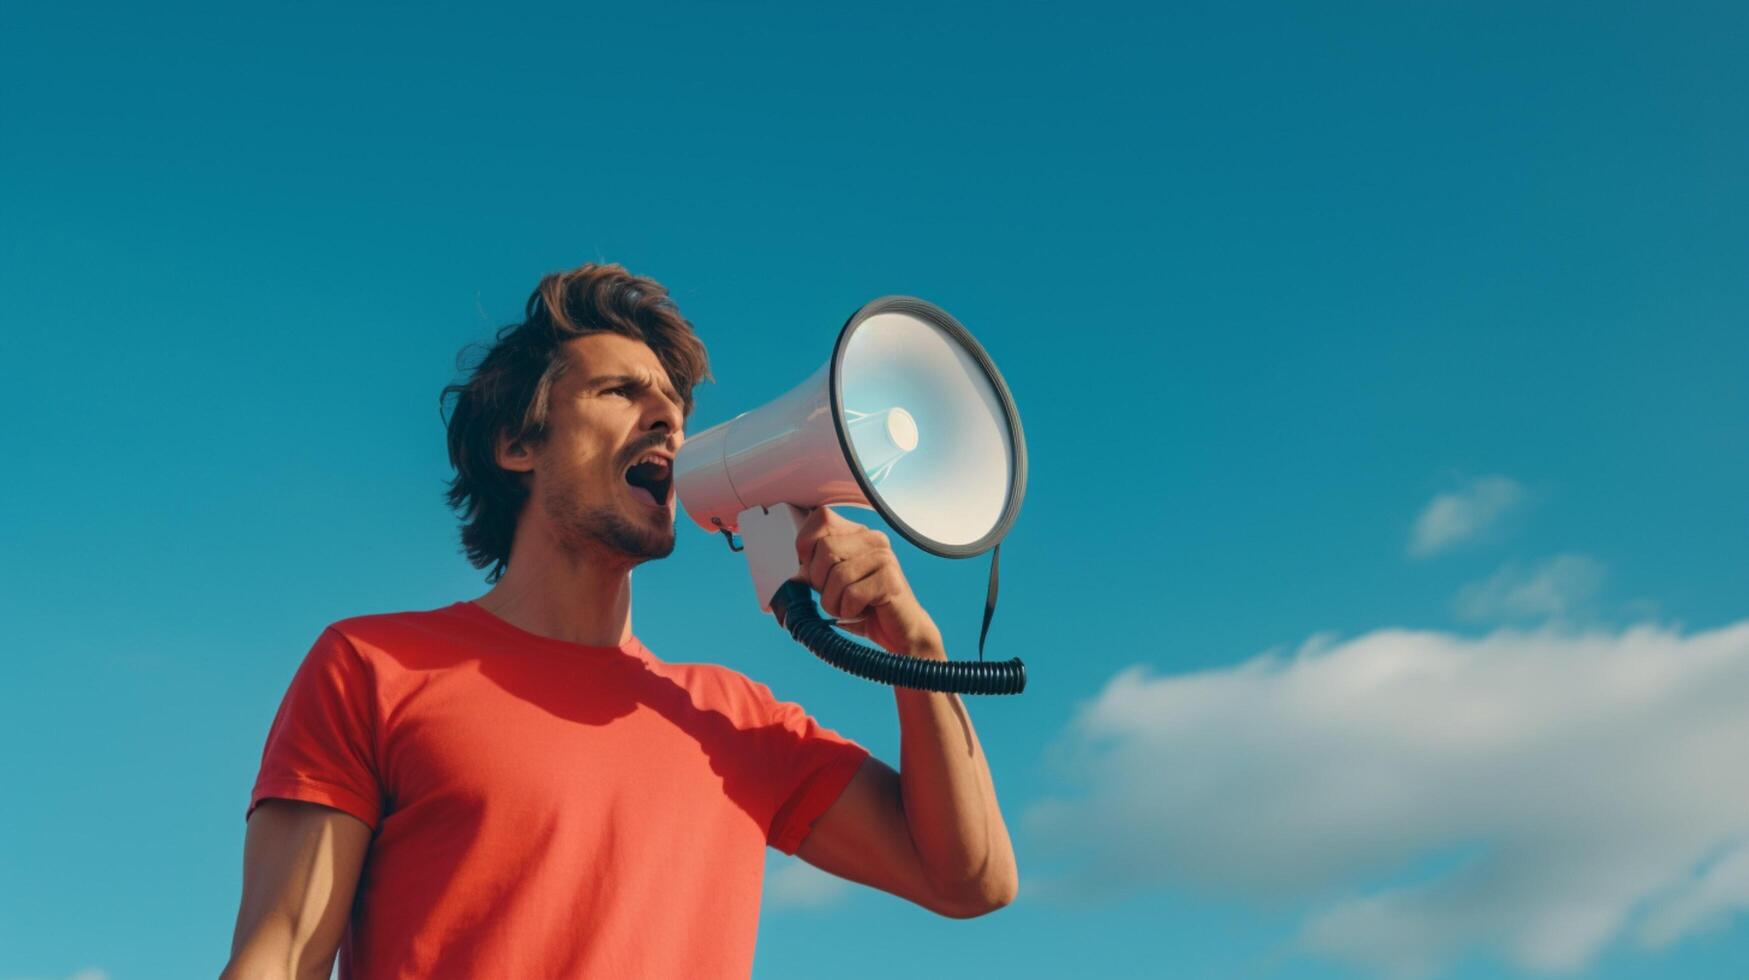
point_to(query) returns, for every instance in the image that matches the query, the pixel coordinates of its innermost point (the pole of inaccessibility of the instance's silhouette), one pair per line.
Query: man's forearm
(950, 800)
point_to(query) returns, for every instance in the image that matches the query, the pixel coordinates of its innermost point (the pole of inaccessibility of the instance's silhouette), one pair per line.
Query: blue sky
(1382, 573)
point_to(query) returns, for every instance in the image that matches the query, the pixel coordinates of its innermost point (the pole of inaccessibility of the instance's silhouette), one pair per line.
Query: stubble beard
(584, 529)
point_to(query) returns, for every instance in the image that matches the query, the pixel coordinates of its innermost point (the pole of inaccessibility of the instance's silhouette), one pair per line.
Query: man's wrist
(927, 647)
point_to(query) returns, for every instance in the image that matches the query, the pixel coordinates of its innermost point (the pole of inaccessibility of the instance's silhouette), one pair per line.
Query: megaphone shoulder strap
(989, 600)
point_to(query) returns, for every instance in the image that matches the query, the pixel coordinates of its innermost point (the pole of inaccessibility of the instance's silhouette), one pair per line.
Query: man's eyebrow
(631, 379)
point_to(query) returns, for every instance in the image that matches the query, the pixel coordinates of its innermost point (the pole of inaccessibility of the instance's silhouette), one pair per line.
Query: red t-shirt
(542, 808)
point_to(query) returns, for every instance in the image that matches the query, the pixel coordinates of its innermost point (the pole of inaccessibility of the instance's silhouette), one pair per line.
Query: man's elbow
(256, 969)
(979, 897)
(270, 954)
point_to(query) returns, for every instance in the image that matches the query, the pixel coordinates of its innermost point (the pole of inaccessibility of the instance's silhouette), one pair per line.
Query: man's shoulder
(379, 630)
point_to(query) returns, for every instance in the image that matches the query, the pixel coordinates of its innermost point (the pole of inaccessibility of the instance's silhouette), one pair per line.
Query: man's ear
(515, 455)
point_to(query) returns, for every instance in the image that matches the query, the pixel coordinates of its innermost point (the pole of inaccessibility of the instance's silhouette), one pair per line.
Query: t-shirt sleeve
(321, 748)
(811, 765)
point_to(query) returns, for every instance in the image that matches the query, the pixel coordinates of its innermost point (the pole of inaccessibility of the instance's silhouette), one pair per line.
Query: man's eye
(625, 390)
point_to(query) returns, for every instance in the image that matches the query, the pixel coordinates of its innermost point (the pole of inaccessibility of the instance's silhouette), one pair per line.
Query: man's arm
(300, 866)
(932, 832)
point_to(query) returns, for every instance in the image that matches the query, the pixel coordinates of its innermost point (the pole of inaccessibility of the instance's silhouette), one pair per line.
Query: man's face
(613, 407)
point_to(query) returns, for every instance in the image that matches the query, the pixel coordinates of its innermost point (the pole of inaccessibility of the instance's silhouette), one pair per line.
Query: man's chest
(586, 747)
(539, 814)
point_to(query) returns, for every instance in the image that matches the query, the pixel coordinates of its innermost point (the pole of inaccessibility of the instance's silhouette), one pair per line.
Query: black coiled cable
(795, 611)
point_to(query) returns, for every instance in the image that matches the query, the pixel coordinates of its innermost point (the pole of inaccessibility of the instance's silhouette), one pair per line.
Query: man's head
(561, 408)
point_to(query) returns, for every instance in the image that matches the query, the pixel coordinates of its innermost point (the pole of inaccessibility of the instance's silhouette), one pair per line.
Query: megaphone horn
(910, 418)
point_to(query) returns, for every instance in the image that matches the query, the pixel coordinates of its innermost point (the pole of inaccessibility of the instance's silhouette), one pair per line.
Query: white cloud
(1701, 902)
(1451, 518)
(1556, 588)
(1419, 795)
(794, 883)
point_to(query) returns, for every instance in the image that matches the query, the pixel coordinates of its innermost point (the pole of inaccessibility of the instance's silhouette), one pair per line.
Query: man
(516, 787)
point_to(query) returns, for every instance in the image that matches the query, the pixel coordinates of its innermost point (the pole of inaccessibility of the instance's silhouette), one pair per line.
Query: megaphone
(910, 418)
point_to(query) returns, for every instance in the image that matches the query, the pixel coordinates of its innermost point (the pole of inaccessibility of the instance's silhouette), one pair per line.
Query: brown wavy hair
(508, 388)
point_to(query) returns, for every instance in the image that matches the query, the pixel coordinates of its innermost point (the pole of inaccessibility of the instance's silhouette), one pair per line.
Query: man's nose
(666, 414)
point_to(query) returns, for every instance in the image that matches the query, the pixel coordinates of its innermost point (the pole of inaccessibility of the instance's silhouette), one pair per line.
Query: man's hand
(854, 569)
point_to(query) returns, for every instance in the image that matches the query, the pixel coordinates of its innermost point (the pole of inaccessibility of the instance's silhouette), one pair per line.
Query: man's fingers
(833, 549)
(818, 565)
(858, 597)
(851, 565)
(829, 553)
(820, 524)
(841, 575)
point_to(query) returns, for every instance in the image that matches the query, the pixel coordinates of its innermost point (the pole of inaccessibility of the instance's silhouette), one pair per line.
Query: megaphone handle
(768, 539)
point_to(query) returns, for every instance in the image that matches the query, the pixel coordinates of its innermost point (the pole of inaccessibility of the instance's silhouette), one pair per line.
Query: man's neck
(553, 592)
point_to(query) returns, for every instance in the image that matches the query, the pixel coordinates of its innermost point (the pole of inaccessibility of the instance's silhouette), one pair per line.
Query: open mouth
(651, 479)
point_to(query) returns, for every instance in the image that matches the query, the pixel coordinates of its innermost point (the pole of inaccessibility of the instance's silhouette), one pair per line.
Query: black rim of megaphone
(1016, 442)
